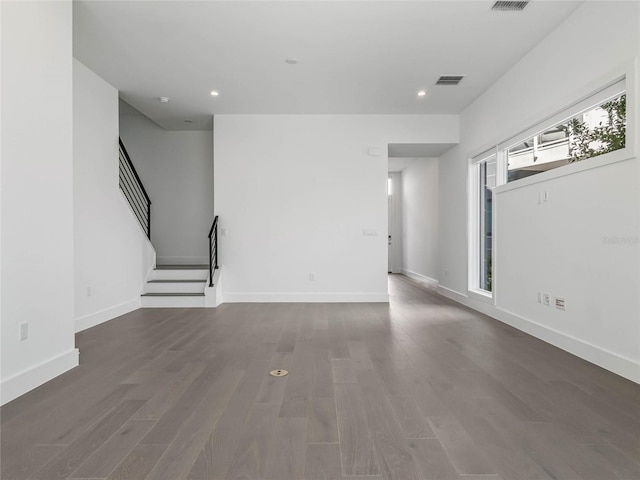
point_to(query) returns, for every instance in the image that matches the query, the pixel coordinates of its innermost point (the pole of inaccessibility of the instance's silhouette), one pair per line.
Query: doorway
(394, 233)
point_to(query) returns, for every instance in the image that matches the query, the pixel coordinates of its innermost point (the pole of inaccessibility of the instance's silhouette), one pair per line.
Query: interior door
(390, 209)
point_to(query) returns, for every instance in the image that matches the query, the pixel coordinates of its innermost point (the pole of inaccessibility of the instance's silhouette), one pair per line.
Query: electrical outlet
(560, 304)
(546, 299)
(24, 331)
(312, 277)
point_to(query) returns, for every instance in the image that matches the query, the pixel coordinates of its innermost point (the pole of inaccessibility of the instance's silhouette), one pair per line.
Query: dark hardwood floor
(419, 389)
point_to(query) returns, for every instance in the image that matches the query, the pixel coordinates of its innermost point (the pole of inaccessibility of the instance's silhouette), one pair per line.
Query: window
(487, 182)
(597, 126)
(484, 180)
(594, 126)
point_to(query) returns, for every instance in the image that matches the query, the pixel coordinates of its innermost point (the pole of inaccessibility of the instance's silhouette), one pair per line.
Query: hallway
(421, 388)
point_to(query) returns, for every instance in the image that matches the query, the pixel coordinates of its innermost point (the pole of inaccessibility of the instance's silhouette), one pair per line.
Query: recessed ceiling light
(214, 93)
(164, 99)
(422, 93)
(291, 61)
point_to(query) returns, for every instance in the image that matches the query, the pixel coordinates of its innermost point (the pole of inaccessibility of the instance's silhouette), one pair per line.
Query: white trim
(473, 225)
(420, 278)
(611, 361)
(182, 261)
(33, 377)
(483, 157)
(267, 297)
(482, 296)
(495, 267)
(96, 318)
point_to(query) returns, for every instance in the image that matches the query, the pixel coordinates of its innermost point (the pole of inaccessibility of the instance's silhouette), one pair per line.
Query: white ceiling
(354, 56)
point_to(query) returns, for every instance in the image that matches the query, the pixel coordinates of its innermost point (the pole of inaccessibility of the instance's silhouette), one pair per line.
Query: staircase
(171, 286)
(176, 286)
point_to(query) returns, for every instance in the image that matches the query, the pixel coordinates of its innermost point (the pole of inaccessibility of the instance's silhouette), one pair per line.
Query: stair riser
(172, 302)
(176, 287)
(179, 275)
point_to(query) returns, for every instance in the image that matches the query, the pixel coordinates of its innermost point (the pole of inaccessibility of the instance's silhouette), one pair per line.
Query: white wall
(557, 248)
(176, 168)
(37, 194)
(295, 192)
(420, 218)
(112, 253)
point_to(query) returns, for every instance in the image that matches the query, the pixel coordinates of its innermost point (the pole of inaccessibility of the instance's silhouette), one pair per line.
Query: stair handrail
(134, 190)
(213, 249)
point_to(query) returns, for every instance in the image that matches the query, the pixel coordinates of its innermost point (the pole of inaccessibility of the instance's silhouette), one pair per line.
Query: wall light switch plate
(24, 331)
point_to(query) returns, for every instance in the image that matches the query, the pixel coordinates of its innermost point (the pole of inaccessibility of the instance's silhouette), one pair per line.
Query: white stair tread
(182, 267)
(195, 280)
(174, 294)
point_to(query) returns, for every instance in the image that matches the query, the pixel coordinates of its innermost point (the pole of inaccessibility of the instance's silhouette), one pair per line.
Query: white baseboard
(606, 359)
(306, 297)
(27, 380)
(182, 260)
(420, 278)
(97, 318)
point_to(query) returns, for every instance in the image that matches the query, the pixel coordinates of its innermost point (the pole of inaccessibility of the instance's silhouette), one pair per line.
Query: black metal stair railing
(134, 191)
(213, 249)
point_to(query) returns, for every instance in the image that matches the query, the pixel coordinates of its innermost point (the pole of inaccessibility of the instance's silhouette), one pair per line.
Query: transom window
(599, 130)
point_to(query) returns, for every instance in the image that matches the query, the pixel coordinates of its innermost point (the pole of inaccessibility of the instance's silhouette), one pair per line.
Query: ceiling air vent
(509, 6)
(449, 79)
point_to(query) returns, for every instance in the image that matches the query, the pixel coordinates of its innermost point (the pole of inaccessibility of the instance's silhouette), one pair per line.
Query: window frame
(475, 223)
(618, 81)
(622, 85)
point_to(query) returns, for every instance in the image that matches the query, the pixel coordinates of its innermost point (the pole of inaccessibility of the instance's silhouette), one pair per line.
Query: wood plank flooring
(421, 388)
